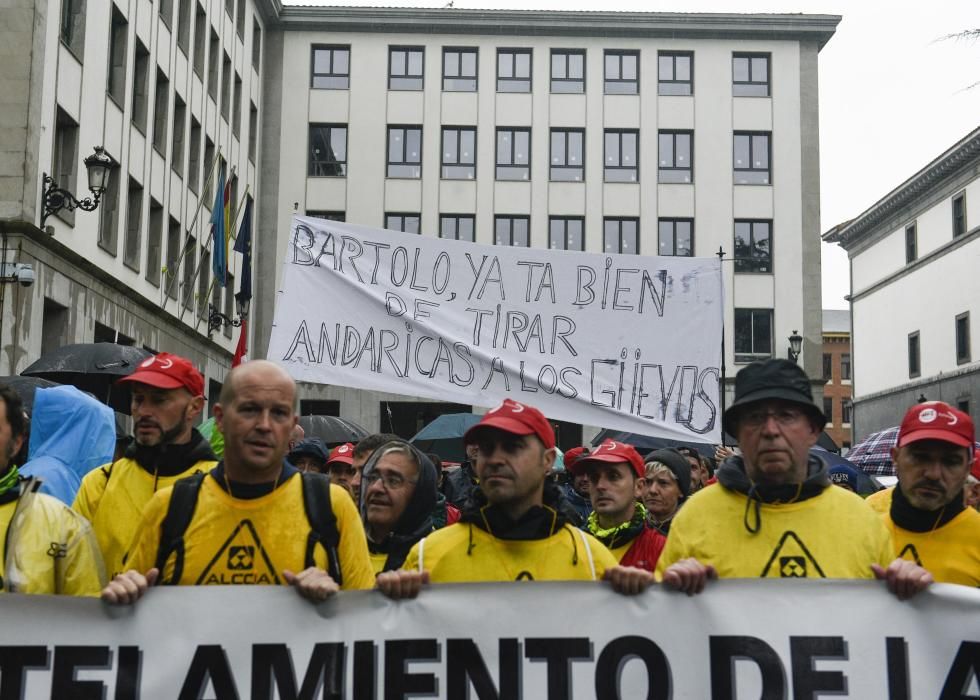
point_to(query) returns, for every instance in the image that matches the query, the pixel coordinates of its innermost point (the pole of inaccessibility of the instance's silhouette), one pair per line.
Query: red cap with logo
(166, 371)
(516, 418)
(609, 452)
(574, 455)
(936, 420)
(342, 453)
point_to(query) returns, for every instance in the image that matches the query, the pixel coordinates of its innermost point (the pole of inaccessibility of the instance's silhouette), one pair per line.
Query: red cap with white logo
(610, 452)
(936, 420)
(342, 453)
(166, 371)
(516, 418)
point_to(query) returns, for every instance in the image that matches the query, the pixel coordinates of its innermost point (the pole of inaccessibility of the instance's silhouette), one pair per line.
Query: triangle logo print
(791, 559)
(909, 552)
(240, 560)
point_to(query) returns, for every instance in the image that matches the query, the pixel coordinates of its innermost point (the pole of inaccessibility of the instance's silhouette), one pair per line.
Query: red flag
(242, 347)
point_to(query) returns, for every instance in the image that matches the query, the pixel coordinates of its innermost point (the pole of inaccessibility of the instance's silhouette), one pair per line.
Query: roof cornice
(797, 27)
(946, 166)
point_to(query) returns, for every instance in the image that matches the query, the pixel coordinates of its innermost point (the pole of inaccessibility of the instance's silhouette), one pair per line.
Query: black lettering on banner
(210, 664)
(365, 670)
(399, 257)
(964, 671)
(584, 286)
(399, 683)
(617, 304)
(493, 275)
(324, 676)
(354, 246)
(329, 250)
(572, 391)
(303, 231)
(67, 660)
(14, 662)
(559, 653)
(497, 366)
(390, 300)
(129, 662)
(415, 271)
(465, 667)
(378, 247)
(302, 337)
(725, 650)
(809, 683)
(657, 294)
(614, 657)
(443, 266)
(562, 333)
(421, 311)
(897, 661)
(462, 350)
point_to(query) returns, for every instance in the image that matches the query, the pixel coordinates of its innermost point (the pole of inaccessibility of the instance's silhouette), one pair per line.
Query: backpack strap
(323, 523)
(183, 501)
(588, 553)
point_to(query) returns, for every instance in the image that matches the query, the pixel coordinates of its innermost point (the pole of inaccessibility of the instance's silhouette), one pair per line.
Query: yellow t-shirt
(378, 560)
(951, 553)
(251, 541)
(114, 504)
(464, 553)
(881, 501)
(832, 535)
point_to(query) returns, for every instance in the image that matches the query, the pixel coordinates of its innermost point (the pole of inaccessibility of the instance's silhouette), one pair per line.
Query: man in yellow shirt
(254, 518)
(926, 514)
(167, 398)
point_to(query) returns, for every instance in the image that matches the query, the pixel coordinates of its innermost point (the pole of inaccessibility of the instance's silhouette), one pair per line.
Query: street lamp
(216, 319)
(99, 166)
(795, 346)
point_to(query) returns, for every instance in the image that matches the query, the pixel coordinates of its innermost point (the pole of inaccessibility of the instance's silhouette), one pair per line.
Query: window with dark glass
(73, 26)
(404, 151)
(118, 38)
(911, 243)
(240, 20)
(177, 142)
(194, 161)
(225, 86)
(253, 131)
(64, 166)
(214, 65)
(200, 37)
(846, 411)
(828, 409)
(184, 25)
(256, 45)
(236, 108)
(513, 70)
(109, 218)
(327, 214)
(567, 70)
(460, 227)
(406, 69)
(914, 368)
(566, 233)
(161, 105)
(328, 150)
(675, 73)
(512, 231)
(676, 237)
(621, 150)
(166, 10)
(154, 241)
(959, 215)
(203, 281)
(845, 367)
(963, 338)
(753, 246)
(134, 214)
(621, 235)
(513, 154)
(568, 155)
(331, 67)
(210, 175)
(750, 74)
(753, 334)
(459, 69)
(961, 404)
(675, 157)
(458, 152)
(828, 366)
(621, 72)
(400, 221)
(751, 158)
(141, 86)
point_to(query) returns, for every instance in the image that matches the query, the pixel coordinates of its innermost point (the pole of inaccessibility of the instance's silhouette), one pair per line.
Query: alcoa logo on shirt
(241, 560)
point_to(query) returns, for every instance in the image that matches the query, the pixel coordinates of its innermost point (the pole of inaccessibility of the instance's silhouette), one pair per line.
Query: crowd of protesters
(82, 513)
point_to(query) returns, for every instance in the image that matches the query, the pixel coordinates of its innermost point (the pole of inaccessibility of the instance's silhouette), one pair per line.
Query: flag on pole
(241, 349)
(219, 252)
(243, 245)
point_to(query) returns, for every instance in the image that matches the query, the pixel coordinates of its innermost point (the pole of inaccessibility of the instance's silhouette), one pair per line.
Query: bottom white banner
(740, 639)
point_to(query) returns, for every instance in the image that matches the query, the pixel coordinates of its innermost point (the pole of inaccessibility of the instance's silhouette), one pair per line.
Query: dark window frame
(914, 355)
(563, 166)
(503, 168)
(327, 214)
(673, 222)
(456, 219)
(133, 240)
(828, 366)
(959, 215)
(459, 169)
(566, 235)
(321, 167)
(460, 77)
(751, 264)
(342, 79)
(669, 172)
(845, 367)
(161, 112)
(408, 77)
(71, 28)
(846, 411)
(752, 87)
(753, 172)
(619, 222)
(511, 220)
(559, 81)
(828, 409)
(663, 86)
(755, 352)
(118, 44)
(619, 172)
(608, 82)
(962, 338)
(414, 165)
(514, 83)
(403, 216)
(911, 243)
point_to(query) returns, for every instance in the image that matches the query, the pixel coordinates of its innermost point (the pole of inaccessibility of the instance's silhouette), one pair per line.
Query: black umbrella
(25, 387)
(92, 367)
(646, 443)
(333, 430)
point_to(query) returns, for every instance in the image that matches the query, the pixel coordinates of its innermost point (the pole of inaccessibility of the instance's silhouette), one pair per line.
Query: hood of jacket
(538, 523)
(171, 460)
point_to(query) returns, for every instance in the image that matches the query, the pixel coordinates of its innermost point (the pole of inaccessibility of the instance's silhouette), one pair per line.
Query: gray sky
(892, 98)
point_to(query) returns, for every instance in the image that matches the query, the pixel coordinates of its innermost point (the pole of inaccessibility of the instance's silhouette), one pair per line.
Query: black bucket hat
(772, 379)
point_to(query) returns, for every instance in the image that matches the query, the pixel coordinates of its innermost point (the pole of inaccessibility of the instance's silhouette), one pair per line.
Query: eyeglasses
(391, 481)
(759, 416)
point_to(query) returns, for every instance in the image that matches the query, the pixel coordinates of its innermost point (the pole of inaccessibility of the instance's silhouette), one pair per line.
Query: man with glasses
(775, 513)
(350, 477)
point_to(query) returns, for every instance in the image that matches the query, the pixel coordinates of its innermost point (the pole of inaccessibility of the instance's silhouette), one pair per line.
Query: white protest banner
(739, 639)
(619, 341)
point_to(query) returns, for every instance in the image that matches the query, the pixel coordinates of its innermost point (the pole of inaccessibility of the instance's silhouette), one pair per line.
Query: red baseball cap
(574, 455)
(166, 371)
(936, 420)
(516, 418)
(342, 453)
(609, 452)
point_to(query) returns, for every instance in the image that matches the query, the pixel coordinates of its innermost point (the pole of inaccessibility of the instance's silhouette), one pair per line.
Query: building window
(828, 409)
(327, 215)
(963, 338)
(180, 122)
(73, 26)
(240, 20)
(567, 70)
(229, 303)
(621, 236)
(459, 69)
(409, 223)
(828, 366)
(211, 174)
(675, 73)
(253, 131)
(512, 231)
(204, 283)
(161, 103)
(959, 214)
(622, 72)
(173, 257)
(230, 8)
(675, 157)
(458, 153)
(64, 166)
(622, 150)
(213, 65)
(750, 75)
(256, 45)
(328, 150)
(568, 155)
(513, 154)
(513, 70)
(753, 246)
(118, 36)
(236, 110)
(109, 221)
(134, 214)
(167, 11)
(752, 163)
(676, 237)
(54, 326)
(914, 361)
(200, 36)
(406, 67)
(225, 86)
(962, 404)
(460, 227)
(331, 67)
(184, 25)
(194, 160)
(566, 233)
(154, 240)
(404, 151)
(141, 86)
(845, 367)
(846, 410)
(911, 244)
(753, 334)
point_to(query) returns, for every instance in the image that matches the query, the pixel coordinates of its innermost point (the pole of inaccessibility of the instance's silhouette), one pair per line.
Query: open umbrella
(92, 367)
(333, 430)
(873, 454)
(865, 484)
(444, 435)
(25, 387)
(646, 443)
